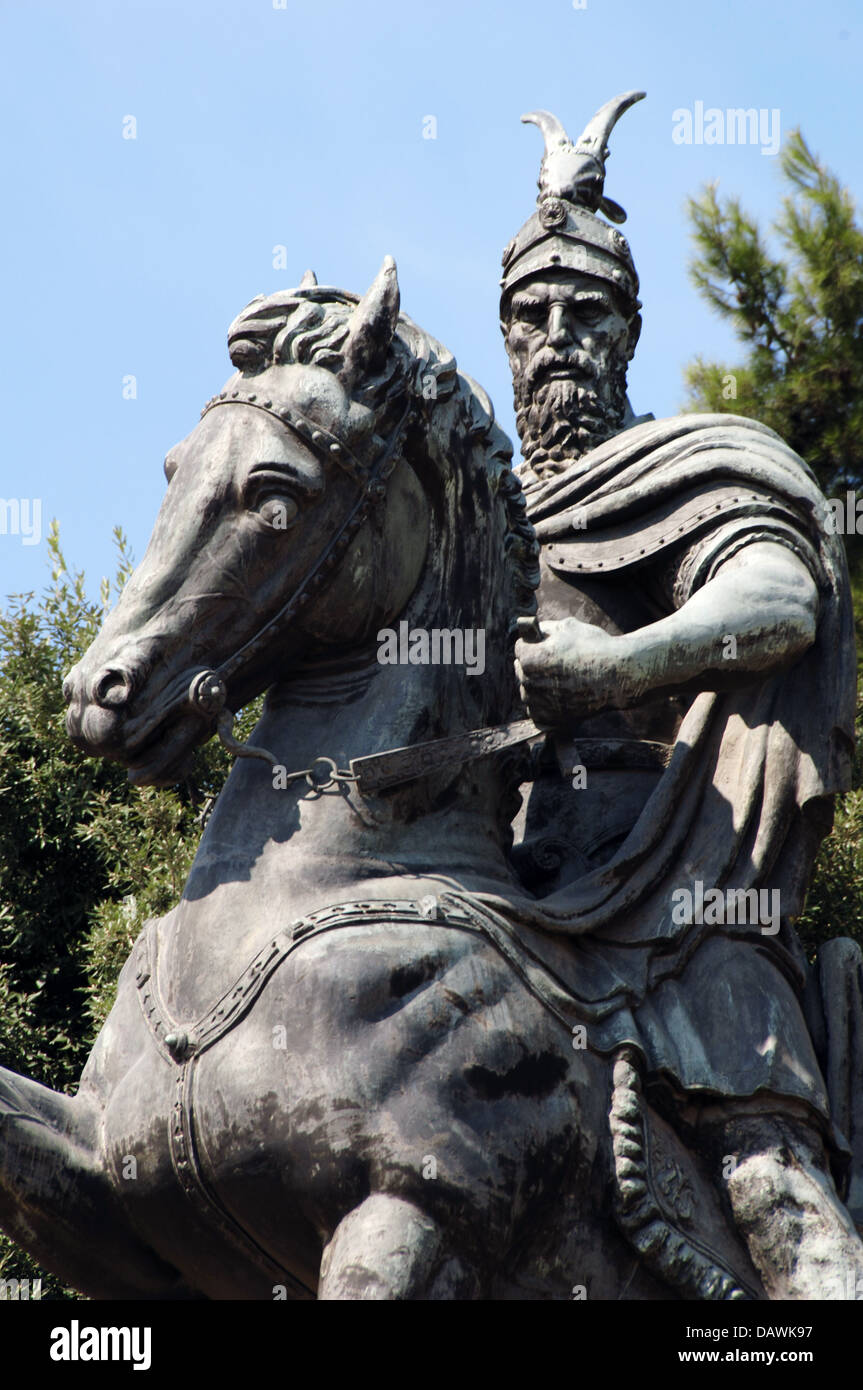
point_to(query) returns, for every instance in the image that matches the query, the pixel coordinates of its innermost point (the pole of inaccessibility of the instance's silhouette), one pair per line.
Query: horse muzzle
(104, 720)
(98, 708)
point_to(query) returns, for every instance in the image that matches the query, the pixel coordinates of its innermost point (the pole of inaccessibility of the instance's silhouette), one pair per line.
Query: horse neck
(453, 822)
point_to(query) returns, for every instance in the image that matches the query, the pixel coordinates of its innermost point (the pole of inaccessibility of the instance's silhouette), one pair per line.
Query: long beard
(560, 419)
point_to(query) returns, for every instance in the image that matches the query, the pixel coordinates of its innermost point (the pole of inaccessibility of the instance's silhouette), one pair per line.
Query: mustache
(577, 364)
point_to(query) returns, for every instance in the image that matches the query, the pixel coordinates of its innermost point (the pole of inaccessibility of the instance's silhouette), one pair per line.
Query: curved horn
(594, 138)
(550, 126)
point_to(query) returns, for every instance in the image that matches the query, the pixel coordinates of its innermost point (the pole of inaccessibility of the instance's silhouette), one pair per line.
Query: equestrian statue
(484, 981)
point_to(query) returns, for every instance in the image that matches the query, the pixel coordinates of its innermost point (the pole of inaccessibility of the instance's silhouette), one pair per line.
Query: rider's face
(559, 322)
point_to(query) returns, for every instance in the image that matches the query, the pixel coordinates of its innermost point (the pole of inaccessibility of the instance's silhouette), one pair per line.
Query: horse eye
(278, 512)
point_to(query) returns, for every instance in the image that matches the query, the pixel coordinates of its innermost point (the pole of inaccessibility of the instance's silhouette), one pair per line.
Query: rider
(694, 663)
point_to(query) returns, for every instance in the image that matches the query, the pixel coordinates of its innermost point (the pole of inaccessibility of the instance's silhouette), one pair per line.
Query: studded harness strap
(173, 1043)
(684, 1262)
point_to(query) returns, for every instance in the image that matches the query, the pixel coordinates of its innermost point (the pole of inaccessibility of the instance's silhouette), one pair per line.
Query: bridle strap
(208, 691)
(309, 431)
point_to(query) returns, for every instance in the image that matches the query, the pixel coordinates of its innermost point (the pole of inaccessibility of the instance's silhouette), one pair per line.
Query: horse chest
(370, 1053)
(375, 1051)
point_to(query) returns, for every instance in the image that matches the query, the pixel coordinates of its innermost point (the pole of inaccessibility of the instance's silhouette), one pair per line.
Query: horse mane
(308, 326)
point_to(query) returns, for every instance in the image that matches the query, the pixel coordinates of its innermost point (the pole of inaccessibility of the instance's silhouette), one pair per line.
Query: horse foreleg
(56, 1198)
(388, 1248)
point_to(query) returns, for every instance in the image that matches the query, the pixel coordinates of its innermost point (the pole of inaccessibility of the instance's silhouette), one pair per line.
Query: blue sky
(303, 127)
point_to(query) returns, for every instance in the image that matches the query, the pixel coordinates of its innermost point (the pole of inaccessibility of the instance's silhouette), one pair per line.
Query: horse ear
(372, 325)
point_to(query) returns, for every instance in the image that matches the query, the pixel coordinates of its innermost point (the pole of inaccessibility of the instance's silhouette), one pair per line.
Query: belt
(612, 753)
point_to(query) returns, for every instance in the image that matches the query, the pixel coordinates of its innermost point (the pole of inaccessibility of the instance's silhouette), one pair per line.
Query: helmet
(564, 233)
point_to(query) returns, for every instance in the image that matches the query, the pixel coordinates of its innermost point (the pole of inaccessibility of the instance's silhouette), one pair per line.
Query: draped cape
(747, 795)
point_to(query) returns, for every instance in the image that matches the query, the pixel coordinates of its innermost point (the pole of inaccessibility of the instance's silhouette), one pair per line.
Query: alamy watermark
(436, 646)
(20, 1290)
(21, 516)
(736, 906)
(737, 125)
(77, 1343)
(845, 515)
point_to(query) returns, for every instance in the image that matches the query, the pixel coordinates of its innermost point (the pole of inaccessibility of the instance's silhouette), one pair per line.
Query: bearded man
(693, 663)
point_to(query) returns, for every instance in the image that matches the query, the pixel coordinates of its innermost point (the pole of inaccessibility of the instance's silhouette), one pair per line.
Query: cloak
(746, 797)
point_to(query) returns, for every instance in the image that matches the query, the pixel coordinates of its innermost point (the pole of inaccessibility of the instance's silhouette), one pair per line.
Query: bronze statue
(384, 1047)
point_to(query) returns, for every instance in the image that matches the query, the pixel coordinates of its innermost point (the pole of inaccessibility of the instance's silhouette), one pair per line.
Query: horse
(327, 1073)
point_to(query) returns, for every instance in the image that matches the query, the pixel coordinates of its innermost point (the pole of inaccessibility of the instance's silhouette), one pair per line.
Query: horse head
(299, 518)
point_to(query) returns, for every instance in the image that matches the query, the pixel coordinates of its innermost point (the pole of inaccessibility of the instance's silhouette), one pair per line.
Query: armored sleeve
(692, 565)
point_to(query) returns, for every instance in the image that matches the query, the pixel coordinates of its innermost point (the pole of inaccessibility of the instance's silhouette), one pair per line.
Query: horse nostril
(112, 689)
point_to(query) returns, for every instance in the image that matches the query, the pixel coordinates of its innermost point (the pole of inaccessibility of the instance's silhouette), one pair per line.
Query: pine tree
(798, 313)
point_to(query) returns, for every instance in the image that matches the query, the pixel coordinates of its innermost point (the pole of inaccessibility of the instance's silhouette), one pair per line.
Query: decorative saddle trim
(680, 1260)
(177, 1046)
(181, 1043)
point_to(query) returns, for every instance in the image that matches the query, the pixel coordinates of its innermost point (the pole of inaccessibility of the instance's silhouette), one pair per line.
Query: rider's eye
(278, 512)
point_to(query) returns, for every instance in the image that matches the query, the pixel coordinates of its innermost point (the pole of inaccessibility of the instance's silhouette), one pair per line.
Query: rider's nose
(559, 327)
(112, 689)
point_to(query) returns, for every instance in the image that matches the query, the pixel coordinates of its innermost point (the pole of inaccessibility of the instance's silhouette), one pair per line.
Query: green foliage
(835, 900)
(15, 1263)
(799, 315)
(834, 904)
(47, 880)
(85, 857)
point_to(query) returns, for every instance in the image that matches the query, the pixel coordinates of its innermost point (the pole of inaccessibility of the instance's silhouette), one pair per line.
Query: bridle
(208, 691)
